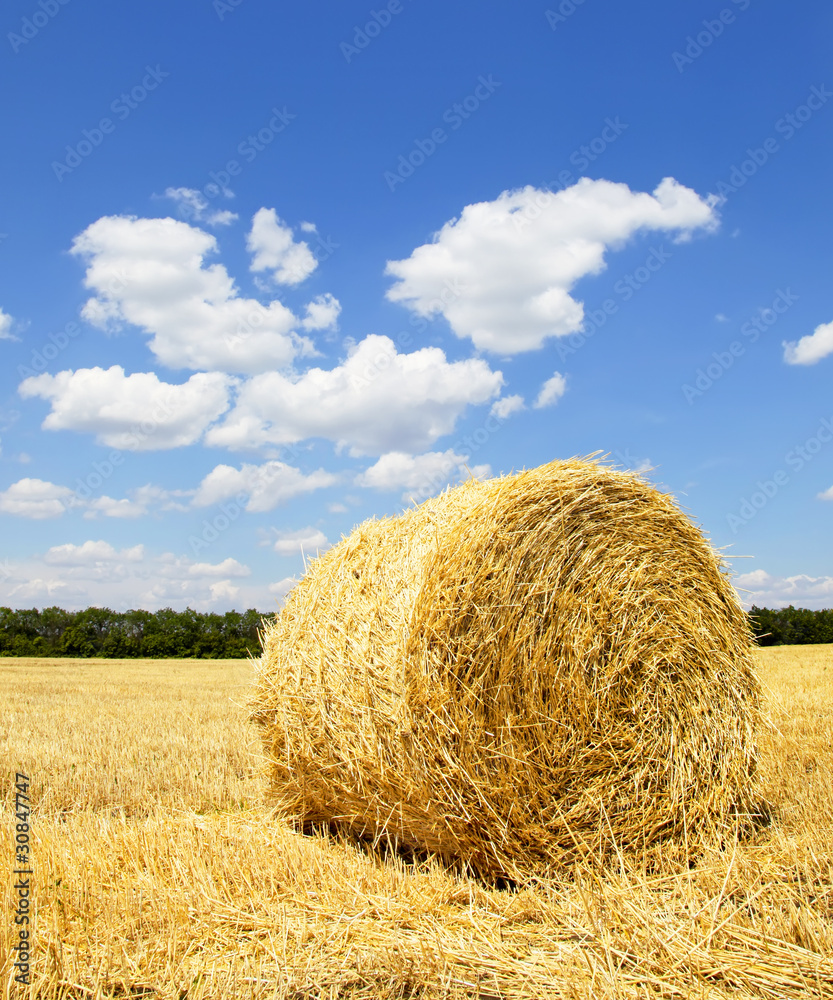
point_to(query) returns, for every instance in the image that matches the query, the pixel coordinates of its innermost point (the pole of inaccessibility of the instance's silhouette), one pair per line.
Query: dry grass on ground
(159, 873)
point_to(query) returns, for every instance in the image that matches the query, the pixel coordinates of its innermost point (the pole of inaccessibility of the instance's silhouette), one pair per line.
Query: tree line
(791, 626)
(144, 634)
(233, 635)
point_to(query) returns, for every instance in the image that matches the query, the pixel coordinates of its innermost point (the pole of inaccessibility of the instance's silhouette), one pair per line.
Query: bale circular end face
(518, 673)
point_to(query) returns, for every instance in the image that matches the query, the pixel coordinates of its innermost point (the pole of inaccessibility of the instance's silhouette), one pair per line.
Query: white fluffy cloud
(322, 313)
(420, 476)
(308, 541)
(827, 494)
(6, 323)
(502, 273)
(228, 567)
(551, 391)
(46, 590)
(152, 273)
(132, 412)
(765, 590)
(139, 502)
(505, 407)
(193, 204)
(91, 553)
(376, 401)
(812, 348)
(273, 249)
(95, 573)
(280, 589)
(110, 507)
(265, 485)
(35, 498)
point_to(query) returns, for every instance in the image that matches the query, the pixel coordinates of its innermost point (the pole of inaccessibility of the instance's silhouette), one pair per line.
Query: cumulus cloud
(38, 499)
(265, 485)
(228, 567)
(376, 401)
(551, 391)
(45, 590)
(140, 500)
(35, 498)
(273, 249)
(91, 554)
(96, 573)
(280, 589)
(766, 590)
(110, 507)
(308, 541)
(419, 475)
(812, 348)
(322, 313)
(133, 412)
(506, 406)
(193, 205)
(502, 273)
(6, 323)
(151, 273)
(827, 494)
(223, 591)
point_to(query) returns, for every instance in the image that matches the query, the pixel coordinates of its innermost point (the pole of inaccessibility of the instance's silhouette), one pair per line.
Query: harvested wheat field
(519, 673)
(160, 874)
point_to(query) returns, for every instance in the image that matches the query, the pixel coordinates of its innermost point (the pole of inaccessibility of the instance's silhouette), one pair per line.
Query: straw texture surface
(518, 673)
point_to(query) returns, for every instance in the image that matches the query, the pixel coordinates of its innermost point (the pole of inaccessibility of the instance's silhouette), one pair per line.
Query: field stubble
(159, 872)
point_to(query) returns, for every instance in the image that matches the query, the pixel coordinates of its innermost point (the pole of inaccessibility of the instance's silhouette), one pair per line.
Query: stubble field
(159, 872)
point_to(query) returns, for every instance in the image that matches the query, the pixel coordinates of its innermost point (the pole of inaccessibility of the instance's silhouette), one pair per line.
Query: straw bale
(518, 673)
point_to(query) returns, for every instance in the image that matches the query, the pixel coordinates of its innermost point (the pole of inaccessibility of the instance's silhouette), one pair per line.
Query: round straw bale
(518, 673)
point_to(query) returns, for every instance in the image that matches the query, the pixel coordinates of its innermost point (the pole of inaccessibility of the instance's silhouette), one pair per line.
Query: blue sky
(268, 270)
